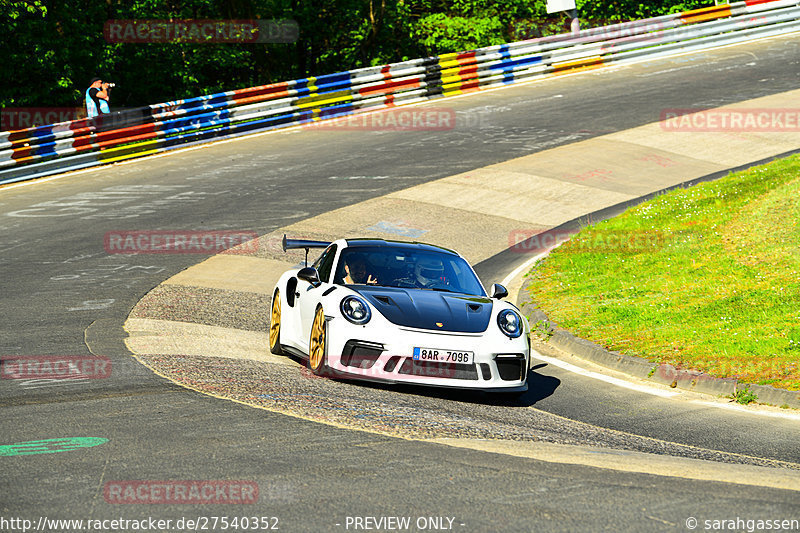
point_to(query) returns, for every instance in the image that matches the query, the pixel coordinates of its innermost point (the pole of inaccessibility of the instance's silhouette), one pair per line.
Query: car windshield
(410, 268)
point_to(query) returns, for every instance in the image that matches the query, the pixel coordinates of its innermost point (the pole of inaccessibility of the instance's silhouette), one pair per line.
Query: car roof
(405, 245)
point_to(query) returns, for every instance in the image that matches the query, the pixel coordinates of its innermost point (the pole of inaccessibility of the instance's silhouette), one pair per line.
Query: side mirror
(498, 291)
(310, 275)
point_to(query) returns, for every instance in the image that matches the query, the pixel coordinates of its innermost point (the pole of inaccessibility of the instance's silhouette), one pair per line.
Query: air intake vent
(360, 354)
(510, 366)
(391, 364)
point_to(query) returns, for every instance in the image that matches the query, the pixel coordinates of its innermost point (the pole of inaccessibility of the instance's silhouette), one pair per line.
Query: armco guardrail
(45, 150)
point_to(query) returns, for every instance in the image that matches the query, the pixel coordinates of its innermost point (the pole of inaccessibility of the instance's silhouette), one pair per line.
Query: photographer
(97, 97)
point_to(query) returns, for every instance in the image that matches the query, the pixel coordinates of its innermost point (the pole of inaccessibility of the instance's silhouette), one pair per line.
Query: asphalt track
(62, 291)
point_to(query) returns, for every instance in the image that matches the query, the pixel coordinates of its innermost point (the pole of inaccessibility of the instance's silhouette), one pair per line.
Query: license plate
(444, 356)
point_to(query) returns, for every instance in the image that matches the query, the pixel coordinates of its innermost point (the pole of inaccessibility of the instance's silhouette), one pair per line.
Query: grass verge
(705, 278)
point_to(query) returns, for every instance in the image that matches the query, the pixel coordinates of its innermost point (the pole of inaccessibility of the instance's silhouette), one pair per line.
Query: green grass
(744, 396)
(712, 282)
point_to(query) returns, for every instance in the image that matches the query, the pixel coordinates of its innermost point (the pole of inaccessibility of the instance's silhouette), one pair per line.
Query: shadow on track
(539, 388)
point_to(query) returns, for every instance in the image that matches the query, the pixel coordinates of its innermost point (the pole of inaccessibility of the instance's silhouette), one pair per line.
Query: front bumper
(500, 363)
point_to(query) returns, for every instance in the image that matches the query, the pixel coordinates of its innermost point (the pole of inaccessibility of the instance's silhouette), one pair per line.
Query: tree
(54, 47)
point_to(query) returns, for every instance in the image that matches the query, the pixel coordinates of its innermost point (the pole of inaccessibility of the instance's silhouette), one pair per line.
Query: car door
(310, 296)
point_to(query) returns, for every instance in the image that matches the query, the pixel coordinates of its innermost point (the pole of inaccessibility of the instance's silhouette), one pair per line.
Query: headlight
(510, 323)
(355, 310)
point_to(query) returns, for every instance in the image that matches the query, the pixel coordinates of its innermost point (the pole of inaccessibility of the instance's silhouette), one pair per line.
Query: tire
(275, 325)
(318, 345)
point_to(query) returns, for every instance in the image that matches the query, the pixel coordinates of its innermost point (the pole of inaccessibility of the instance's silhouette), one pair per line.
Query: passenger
(355, 268)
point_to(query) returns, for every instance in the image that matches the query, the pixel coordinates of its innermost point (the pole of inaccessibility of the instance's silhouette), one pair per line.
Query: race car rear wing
(292, 244)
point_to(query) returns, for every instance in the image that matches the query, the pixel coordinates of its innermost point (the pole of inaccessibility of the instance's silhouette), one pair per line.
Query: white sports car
(395, 311)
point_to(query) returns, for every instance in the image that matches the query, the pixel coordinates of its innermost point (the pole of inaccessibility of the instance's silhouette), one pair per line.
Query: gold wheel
(275, 325)
(316, 349)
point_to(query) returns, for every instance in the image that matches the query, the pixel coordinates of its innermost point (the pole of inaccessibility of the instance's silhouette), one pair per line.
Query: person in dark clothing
(97, 98)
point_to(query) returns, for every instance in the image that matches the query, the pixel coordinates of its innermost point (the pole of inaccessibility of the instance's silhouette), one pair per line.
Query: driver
(355, 268)
(429, 271)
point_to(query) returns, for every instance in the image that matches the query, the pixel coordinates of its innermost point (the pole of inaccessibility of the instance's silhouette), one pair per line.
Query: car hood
(428, 309)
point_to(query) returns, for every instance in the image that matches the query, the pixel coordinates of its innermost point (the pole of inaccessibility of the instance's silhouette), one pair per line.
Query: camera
(110, 85)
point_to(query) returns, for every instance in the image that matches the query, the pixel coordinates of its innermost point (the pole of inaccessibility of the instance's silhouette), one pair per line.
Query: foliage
(14, 8)
(543, 329)
(744, 396)
(442, 33)
(619, 10)
(54, 47)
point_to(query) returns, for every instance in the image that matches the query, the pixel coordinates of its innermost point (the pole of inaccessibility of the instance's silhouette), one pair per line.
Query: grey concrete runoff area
(203, 402)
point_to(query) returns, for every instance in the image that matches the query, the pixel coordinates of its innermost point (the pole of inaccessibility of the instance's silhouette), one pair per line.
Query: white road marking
(524, 266)
(730, 406)
(92, 305)
(635, 386)
(46, 382)
(360, 178)
(608, 379)
(743, 409)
